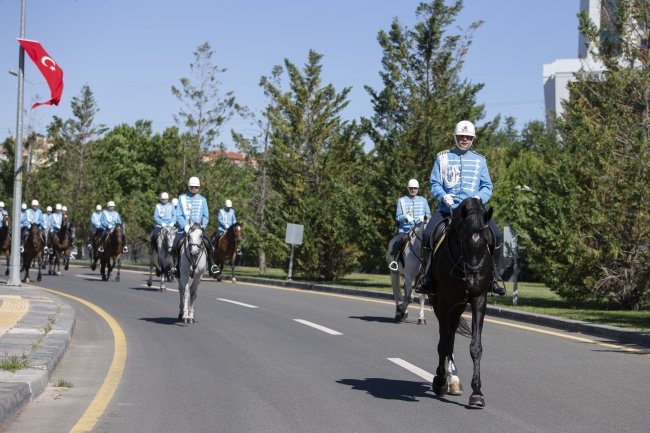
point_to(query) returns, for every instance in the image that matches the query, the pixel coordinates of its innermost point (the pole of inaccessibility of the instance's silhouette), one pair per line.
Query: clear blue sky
(131, 52)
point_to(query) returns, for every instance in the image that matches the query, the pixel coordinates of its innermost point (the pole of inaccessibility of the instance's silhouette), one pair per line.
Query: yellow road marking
(468, 316)
(98, 405)
(11, 311)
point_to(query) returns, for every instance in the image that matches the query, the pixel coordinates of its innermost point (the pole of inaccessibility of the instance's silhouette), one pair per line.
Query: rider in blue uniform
(31, 216)
(3, 212)
(193, 207)
(55, 222)
(47, 225)
(95, 224)
(165, 215)
(226, 219)
(412, 211)
(458, 174)
(109, 219)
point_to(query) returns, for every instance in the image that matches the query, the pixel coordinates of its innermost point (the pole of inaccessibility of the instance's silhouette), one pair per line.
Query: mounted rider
(56, 221)
(109, 219)
(165, 216)
(412, 211)
(175, 204)
(95, 224)
(226, 219)
(194, 206)
(3, 212)
(47, 225)
(23, 208)
(31, 216)
(458, 173)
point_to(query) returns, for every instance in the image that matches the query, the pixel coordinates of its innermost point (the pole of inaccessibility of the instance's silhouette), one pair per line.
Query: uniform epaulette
(443, 152)
(479, 154)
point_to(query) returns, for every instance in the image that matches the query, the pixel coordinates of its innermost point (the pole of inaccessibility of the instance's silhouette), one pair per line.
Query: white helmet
(58, 206)
(64, 208)
(98, 207)
(228, 203)
(2, 204)
(164, 195)
(194, 181)
(110, 204)
(34, 202)
(48, 209)
(464, 127)
(413, 183)
(175, 201)
(23, 206)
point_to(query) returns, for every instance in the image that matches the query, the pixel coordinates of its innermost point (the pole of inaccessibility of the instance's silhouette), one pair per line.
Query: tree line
(583, 223)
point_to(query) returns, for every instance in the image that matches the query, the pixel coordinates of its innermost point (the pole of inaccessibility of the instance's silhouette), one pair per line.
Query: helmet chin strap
(460, 148)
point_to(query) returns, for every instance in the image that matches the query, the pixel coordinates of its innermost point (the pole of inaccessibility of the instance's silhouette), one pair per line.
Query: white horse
(408, 266)
(161, 257)
(192, 266)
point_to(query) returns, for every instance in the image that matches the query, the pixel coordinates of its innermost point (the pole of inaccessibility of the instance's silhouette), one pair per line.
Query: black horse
(462, 271)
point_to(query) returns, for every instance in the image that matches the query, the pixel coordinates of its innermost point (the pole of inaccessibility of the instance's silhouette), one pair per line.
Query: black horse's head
(471, 231)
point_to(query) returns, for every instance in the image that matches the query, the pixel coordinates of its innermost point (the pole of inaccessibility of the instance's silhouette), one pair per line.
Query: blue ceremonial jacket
(416, 207)
(195, 207)
(47, 220)
(164, 213)
(32, 216)
(3, 212)
(57, 219)
(464, 174)
(96, 220)
(109, 219)
(226, 218)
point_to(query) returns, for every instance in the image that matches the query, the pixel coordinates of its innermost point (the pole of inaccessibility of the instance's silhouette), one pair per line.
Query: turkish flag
(51, 71)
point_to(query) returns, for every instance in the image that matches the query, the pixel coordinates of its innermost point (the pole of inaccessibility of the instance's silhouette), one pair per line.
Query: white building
(556, 75)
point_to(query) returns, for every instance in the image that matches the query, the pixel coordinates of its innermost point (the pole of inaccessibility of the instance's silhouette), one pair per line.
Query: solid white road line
(413, 369)
(89, 276)
(322, 328)
(173, 290)
(235, 302)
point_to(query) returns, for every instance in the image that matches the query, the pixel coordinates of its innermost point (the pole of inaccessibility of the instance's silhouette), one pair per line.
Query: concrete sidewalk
(35, 327)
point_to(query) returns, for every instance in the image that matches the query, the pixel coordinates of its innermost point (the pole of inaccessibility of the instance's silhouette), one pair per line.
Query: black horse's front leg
(476, 349)
(119, 265)
(440, 385)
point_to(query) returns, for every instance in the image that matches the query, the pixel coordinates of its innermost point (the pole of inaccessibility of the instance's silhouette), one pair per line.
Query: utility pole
(14, 268)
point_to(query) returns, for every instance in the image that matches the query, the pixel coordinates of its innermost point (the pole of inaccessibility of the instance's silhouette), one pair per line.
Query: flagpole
(14, 269)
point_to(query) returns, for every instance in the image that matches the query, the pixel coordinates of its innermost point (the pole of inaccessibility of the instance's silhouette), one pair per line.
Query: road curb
(611, 332)
(19, 388)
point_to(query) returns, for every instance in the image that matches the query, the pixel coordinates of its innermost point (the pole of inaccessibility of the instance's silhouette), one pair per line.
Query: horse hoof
(157, 272)
(234, 280)
(186, 321)
(405, 315)
(455, 388)
(439, 390)
(398, 317)
(422, 321)
(477, 400)
(27, 280)
(192, 320)
(117, 279)
(66, 267)
(180, 317)
(49, 272)
(58, 273)
(39, 278)
(148, 283)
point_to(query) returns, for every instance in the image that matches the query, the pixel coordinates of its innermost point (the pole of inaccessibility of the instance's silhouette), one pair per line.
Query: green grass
(532, 297)
(14, 363)
(63, 384)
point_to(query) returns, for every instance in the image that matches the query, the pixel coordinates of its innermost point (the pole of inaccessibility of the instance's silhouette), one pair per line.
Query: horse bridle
(461, 263)
(188, 245)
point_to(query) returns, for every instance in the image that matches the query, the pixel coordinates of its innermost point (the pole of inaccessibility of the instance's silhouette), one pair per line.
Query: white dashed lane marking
(319, 327)
(89, 277)
(413, 369)
(237, 303)
(173, 290)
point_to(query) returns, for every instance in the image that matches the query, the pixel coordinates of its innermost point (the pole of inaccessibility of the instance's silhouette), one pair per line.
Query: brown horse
(227, 246)
(61, 246)
(112, 253)
(33, 250)
(5, 240)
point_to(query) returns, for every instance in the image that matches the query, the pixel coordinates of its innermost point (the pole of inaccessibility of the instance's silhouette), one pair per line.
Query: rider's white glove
(164, 225)
(409, 219)
(478, 197)
(448, 200)
(421, 219)
(186, 229)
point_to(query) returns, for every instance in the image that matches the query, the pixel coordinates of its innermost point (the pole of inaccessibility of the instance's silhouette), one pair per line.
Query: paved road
(258, 369)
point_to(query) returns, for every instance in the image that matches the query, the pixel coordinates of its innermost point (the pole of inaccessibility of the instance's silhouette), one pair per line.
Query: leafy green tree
(587, 226)
(316, 167)
(415, 113)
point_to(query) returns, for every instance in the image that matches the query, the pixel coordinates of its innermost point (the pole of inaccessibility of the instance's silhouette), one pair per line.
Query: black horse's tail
(464, 328)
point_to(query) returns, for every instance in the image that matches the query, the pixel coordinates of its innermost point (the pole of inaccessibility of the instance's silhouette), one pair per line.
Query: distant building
(557, 75)
(235, 157)
(40, 155)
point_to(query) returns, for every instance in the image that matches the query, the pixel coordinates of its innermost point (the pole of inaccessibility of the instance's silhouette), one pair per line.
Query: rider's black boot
(212, 268)
(496, 289)
(424, 284)
(176, 267)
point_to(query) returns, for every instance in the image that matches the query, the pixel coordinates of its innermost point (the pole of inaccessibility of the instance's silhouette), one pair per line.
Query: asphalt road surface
(269, 359)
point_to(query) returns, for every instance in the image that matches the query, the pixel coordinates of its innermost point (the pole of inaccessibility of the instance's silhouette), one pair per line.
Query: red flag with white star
(51, 71)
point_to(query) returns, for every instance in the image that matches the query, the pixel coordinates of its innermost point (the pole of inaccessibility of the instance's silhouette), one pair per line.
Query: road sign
(294, 234)
(510, 242)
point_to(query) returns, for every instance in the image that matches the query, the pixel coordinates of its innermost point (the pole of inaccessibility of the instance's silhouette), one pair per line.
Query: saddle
(400, 246)
(440, 231)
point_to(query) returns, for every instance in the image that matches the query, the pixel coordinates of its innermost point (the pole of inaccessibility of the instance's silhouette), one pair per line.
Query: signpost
(293, 237)
(511, 249)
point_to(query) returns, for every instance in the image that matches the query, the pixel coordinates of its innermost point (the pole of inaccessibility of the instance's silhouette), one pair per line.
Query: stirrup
(22, 249)
(90, 246)
(100, 249)
(214, 269)
(393, 266)
(502, 290)
(125, 249)
(238, 252)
